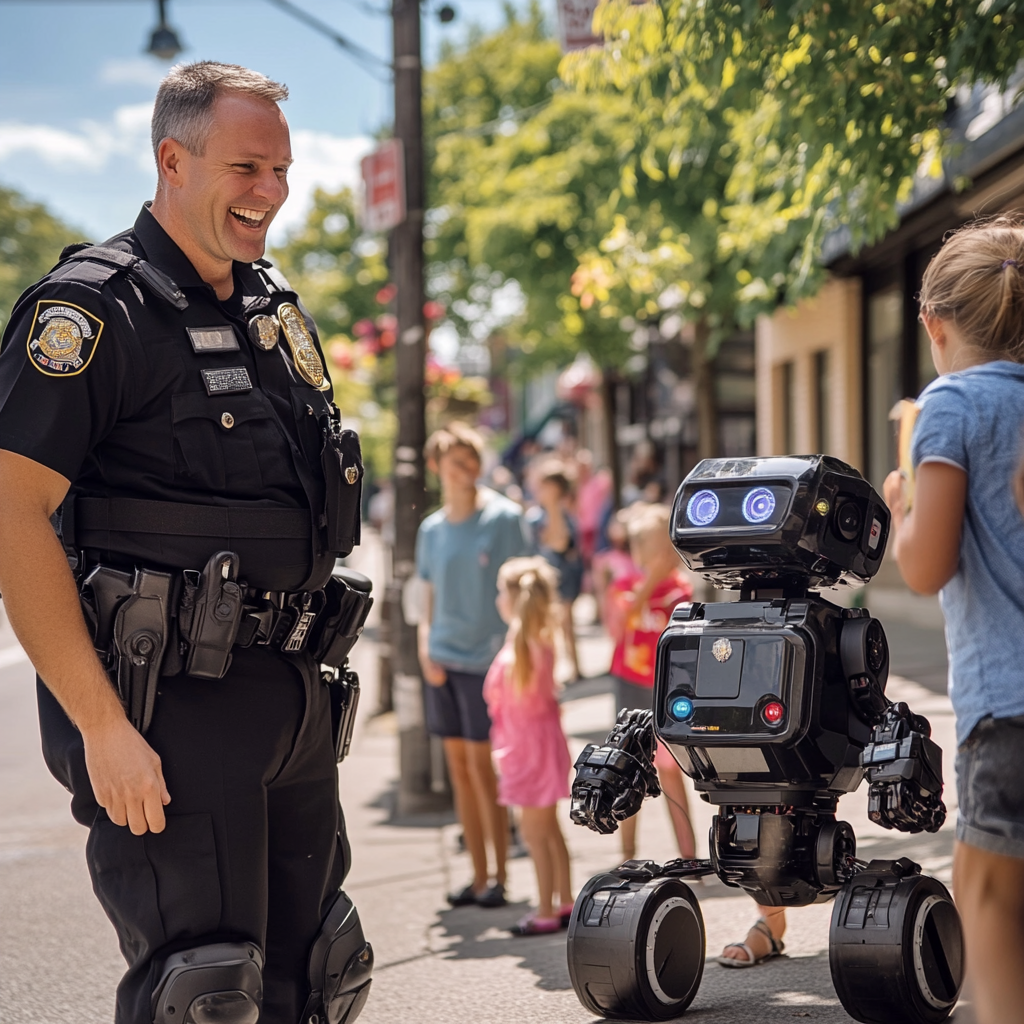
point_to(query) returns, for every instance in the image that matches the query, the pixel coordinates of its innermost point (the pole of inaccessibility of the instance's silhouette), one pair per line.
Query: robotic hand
(613, 779)
(904, 769)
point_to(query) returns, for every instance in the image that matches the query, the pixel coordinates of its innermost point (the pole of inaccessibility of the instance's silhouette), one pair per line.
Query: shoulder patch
(63, 338)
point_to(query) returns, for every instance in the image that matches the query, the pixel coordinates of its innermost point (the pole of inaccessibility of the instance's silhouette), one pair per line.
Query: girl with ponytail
(530, 750)
(960, 534)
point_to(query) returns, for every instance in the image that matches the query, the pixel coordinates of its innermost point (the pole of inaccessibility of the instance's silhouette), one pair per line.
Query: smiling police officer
(163, 403)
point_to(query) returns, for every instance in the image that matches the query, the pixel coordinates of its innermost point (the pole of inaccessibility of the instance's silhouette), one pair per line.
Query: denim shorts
(990, 787)
(456, 709)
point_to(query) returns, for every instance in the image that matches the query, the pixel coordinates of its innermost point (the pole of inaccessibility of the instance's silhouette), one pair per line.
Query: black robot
(775, 706)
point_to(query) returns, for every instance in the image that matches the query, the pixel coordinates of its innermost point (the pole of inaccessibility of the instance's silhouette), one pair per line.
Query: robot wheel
(896, 947)
(636, 948)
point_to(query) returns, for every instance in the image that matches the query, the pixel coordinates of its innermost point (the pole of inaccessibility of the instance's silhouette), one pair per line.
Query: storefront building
(830, 370)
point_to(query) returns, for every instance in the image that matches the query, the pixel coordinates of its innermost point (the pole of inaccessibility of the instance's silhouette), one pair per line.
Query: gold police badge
(63, 338)
(300, 341)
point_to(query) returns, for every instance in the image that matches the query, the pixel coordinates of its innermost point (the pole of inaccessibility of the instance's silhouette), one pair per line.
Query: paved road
(59, 960)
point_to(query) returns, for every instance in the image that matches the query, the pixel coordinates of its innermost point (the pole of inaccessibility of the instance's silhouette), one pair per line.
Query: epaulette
(154, 280)
(272, 276)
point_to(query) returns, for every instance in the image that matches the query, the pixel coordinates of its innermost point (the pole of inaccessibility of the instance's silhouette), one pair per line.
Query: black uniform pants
(254, 848)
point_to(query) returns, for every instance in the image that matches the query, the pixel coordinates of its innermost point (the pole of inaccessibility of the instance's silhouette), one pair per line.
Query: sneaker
(462, 897)
(492, 896)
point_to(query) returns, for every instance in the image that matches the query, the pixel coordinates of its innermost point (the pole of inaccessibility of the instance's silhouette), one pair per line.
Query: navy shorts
(990, 787)
(456, 709)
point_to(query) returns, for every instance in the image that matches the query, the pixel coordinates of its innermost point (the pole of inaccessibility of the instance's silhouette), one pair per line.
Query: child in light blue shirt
(964, 539)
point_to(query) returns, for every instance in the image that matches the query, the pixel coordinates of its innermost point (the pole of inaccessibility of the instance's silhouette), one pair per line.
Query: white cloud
(131, 71)
(92, 147)
(321, 161)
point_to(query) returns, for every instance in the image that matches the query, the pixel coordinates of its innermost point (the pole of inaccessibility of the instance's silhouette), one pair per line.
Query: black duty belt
(278, 619)
(139, 515)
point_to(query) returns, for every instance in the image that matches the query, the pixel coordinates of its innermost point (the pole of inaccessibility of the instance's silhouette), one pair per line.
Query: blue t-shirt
(461, 562)
(974, 420)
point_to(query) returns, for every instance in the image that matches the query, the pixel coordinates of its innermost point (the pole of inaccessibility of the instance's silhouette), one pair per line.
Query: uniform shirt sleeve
(64, 374)
(940, 433)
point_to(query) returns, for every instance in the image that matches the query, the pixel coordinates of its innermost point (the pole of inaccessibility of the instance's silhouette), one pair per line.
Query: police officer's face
(232, 192)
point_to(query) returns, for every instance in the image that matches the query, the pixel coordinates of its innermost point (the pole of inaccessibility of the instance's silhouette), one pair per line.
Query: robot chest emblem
(722, 649)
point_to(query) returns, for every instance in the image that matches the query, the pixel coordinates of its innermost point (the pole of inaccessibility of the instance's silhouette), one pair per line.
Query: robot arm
(904, 770)
(613, 779)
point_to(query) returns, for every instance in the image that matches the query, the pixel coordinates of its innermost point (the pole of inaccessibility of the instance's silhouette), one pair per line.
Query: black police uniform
(169, 464)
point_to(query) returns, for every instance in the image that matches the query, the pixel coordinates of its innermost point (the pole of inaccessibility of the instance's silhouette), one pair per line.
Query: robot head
(790, 522)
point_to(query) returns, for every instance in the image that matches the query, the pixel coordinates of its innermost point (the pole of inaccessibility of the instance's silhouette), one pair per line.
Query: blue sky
(76, 91)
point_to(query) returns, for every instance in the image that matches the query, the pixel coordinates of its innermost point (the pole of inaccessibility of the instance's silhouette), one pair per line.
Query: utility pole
(416, 789)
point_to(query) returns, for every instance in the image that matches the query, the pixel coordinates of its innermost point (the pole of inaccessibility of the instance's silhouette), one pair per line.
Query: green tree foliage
(31, 239)
(520, 173)
(778, 122)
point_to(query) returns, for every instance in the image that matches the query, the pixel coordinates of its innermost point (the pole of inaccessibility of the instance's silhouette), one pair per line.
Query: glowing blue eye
(758, 505)
(702, 508)
(682, 708)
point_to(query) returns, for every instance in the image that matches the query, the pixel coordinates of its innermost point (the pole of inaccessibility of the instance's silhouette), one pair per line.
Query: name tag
(212, 339)
(231, 380)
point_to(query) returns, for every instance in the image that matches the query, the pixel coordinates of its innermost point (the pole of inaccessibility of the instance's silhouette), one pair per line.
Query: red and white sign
(384, 187)
(574, 24)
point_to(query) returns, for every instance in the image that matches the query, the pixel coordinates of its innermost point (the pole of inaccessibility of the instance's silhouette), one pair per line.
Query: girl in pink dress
(530, 752)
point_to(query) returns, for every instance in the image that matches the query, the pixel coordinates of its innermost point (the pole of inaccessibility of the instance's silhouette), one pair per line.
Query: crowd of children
(962, 537)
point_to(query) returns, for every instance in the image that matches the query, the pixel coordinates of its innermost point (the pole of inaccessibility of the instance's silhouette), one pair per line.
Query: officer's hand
(126, 776)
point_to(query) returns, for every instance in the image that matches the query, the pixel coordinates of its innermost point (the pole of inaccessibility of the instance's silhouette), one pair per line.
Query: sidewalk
(59, 959)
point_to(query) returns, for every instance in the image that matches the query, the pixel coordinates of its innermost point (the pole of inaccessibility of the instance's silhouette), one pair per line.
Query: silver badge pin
(264, 331)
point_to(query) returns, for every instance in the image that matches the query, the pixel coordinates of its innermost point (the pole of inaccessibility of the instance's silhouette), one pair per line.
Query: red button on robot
(772, 712)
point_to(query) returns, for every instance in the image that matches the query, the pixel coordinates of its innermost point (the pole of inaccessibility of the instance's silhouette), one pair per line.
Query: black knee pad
(340, 963)
(217, 984)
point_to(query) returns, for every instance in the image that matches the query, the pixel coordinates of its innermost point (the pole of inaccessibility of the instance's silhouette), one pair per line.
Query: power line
(369, 61)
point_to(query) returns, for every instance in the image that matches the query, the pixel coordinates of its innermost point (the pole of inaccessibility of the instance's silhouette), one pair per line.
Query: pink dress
(530, 752)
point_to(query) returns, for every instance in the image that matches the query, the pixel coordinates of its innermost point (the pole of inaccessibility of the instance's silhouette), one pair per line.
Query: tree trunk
(705, 393)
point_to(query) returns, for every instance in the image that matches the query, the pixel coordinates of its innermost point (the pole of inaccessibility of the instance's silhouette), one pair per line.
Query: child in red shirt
(638, 609)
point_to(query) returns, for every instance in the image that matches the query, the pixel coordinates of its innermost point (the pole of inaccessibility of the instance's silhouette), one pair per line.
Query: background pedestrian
(963, 536)
(638, 609)
(530, 748)
(459, 549)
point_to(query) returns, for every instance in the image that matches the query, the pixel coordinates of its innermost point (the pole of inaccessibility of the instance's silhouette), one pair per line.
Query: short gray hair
(184, 101)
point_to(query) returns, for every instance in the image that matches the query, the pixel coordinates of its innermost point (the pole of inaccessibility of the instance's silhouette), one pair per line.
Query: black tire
(636, 949)
(904, 964)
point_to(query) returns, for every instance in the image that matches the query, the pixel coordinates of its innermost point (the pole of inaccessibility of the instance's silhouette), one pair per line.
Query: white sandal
(760, 925)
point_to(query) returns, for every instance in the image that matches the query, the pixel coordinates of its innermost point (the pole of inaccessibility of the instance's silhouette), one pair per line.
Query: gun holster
(210, 614)
(131, 619)
(347, 602)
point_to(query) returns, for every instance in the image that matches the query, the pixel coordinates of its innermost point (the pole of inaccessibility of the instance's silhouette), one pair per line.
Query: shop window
(788, 371)
(822, 403)
(884, 349)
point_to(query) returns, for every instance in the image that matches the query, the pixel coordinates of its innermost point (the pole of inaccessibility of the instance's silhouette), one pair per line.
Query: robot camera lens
(702, 508)
(849, 520)
(758, 505)
(681, 709)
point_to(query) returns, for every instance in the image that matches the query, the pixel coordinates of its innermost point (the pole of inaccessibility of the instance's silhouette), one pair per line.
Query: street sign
(574, 24)
(384, 187)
